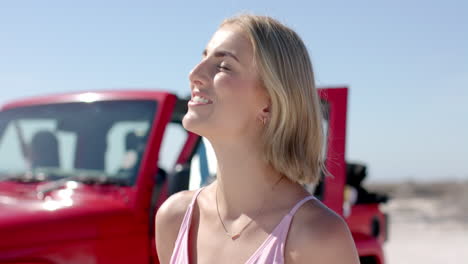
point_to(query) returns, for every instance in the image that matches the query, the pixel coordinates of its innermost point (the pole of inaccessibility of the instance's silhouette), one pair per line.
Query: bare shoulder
(174, 208)
(168, 220)
(317, 234)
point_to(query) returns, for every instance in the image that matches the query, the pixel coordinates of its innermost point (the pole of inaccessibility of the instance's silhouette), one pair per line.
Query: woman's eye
(223, 67)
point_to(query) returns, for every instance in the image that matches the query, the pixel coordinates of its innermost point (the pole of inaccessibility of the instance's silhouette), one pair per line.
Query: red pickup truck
(82, 175)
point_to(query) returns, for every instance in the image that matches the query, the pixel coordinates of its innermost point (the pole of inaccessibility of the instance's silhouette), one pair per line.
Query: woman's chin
(191, 123)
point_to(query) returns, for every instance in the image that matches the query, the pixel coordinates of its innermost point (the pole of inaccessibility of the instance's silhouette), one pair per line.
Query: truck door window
(203, 165)
(173, 141)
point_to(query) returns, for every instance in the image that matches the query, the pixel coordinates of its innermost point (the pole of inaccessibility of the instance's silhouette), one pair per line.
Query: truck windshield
(104, 139)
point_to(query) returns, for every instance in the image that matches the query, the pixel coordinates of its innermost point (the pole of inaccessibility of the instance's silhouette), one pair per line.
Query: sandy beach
(428, 222)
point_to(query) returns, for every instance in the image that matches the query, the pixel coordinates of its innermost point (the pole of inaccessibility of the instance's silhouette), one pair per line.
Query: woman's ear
(264, 109)
(265, 113)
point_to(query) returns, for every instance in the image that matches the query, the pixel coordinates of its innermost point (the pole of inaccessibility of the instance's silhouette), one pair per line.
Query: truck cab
(83, 174)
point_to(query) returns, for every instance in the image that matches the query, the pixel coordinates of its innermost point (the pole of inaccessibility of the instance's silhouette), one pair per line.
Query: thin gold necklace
(235, 236)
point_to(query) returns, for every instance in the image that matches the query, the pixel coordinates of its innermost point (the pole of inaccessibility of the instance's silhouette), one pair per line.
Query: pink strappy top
(270, 251)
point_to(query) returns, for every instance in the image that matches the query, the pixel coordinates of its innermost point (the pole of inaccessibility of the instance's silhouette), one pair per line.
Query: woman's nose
(198, 75)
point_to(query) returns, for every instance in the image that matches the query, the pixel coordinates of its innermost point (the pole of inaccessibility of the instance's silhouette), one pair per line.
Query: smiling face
(227, 98)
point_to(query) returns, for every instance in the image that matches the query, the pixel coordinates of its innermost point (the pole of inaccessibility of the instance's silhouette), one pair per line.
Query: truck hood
(79, 212)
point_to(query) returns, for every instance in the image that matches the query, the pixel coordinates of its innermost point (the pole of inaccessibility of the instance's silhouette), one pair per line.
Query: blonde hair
(293, 136)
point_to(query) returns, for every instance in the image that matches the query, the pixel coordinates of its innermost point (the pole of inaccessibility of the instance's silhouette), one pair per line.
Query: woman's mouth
(199, 100)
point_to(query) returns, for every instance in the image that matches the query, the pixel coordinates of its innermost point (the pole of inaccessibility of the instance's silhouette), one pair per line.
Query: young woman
(254, 99)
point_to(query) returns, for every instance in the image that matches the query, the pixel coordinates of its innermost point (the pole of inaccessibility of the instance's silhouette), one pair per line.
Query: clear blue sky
(406, 63)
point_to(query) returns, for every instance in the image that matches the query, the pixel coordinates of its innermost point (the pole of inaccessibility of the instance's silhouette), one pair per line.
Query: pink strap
(286, 222)
(272, 249)
(194, 199)
(188, 215)
(180, 252)
(300, 203)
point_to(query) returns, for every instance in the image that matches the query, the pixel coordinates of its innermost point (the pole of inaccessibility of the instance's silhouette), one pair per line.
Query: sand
(428, 222)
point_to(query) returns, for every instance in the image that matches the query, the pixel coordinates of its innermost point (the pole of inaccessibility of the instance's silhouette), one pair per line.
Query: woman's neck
(244, 179)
